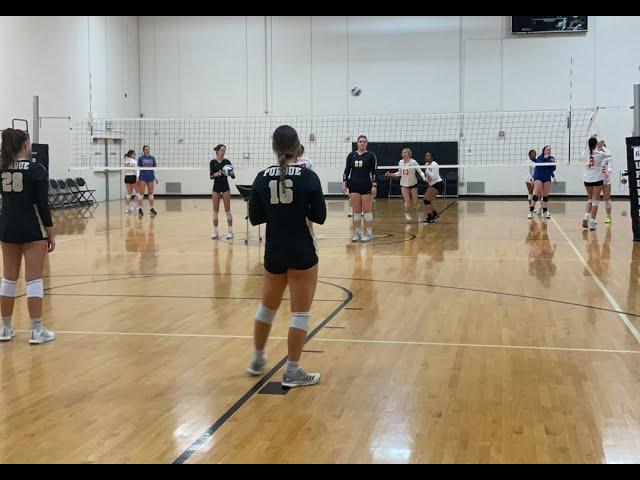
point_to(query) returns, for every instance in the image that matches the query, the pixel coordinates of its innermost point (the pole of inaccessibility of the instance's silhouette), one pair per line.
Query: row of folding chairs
(70, 193)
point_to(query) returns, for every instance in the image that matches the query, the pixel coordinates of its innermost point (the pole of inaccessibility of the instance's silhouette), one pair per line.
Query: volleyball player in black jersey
(221, 190)
(287, 197)
(359, 181)
(26, 230)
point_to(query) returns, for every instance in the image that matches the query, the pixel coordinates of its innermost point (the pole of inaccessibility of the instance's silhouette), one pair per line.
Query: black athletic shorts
(438, 186)
(360, 187)
(277, 265)
(220, 188)
(130, 179)
(594, 184)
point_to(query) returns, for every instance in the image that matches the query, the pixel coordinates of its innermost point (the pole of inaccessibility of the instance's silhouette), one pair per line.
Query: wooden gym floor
(482, 338)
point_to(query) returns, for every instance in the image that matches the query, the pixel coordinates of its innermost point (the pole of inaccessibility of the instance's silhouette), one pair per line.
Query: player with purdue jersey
(26, 230)
(359, 180)
(221, 190)
(287, 197)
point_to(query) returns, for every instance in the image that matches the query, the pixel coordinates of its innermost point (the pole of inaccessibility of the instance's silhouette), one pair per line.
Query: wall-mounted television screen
(522, 24)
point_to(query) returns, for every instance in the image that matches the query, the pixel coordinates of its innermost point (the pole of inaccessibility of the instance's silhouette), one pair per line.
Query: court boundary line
(612, 301)
(351, 340)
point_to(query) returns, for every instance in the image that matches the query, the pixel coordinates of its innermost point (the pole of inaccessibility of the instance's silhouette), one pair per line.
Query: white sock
(292, 366)
(6, 322)
(36, 324)
(258, 355)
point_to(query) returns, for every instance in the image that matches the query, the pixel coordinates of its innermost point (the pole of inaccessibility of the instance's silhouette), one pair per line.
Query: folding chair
(80, 195)
(83, 187)
(69, 198)
(55, 197)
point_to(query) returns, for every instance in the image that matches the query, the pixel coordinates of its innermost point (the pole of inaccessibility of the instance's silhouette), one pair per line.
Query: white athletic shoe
(356, 238)
(366, 237)
(257, 366)
(407, 217)
(530, 215)
(299, 379)
(214, 236)
(6, 334)
(592, 224)
(229, 236)
(547, 214)
(42, 336)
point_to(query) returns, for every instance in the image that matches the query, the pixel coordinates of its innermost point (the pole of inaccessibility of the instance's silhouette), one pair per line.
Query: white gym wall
(224, 66)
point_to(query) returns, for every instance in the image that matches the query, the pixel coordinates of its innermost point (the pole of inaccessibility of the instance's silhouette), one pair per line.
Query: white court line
(607, 294)
(143, 334)
(347, 340)
(378, 255)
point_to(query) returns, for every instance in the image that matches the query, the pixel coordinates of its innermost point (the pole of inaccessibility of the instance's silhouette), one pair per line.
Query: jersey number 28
(12, 182)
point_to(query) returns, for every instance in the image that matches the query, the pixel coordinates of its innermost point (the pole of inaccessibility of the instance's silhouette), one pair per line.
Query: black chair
(55, 196)
(80, 195)
(69, 199)
(83, 187)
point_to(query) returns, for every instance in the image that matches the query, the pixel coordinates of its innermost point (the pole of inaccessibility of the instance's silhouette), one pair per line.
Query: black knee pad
(427, 202)
(545, 199)
(536, 198)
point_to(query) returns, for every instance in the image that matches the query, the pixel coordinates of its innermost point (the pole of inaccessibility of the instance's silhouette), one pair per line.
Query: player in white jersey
(304, 162)
(130, 180)
(409, 182)
(595, 168)
(529, 181)
(606, 186)
(434, 188)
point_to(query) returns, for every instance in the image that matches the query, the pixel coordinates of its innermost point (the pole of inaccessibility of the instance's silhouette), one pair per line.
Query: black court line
(337, 328)
(447, 207)
(313, 351)
(478, 290)
(204, 437)
(433, 285)
(354, 308)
